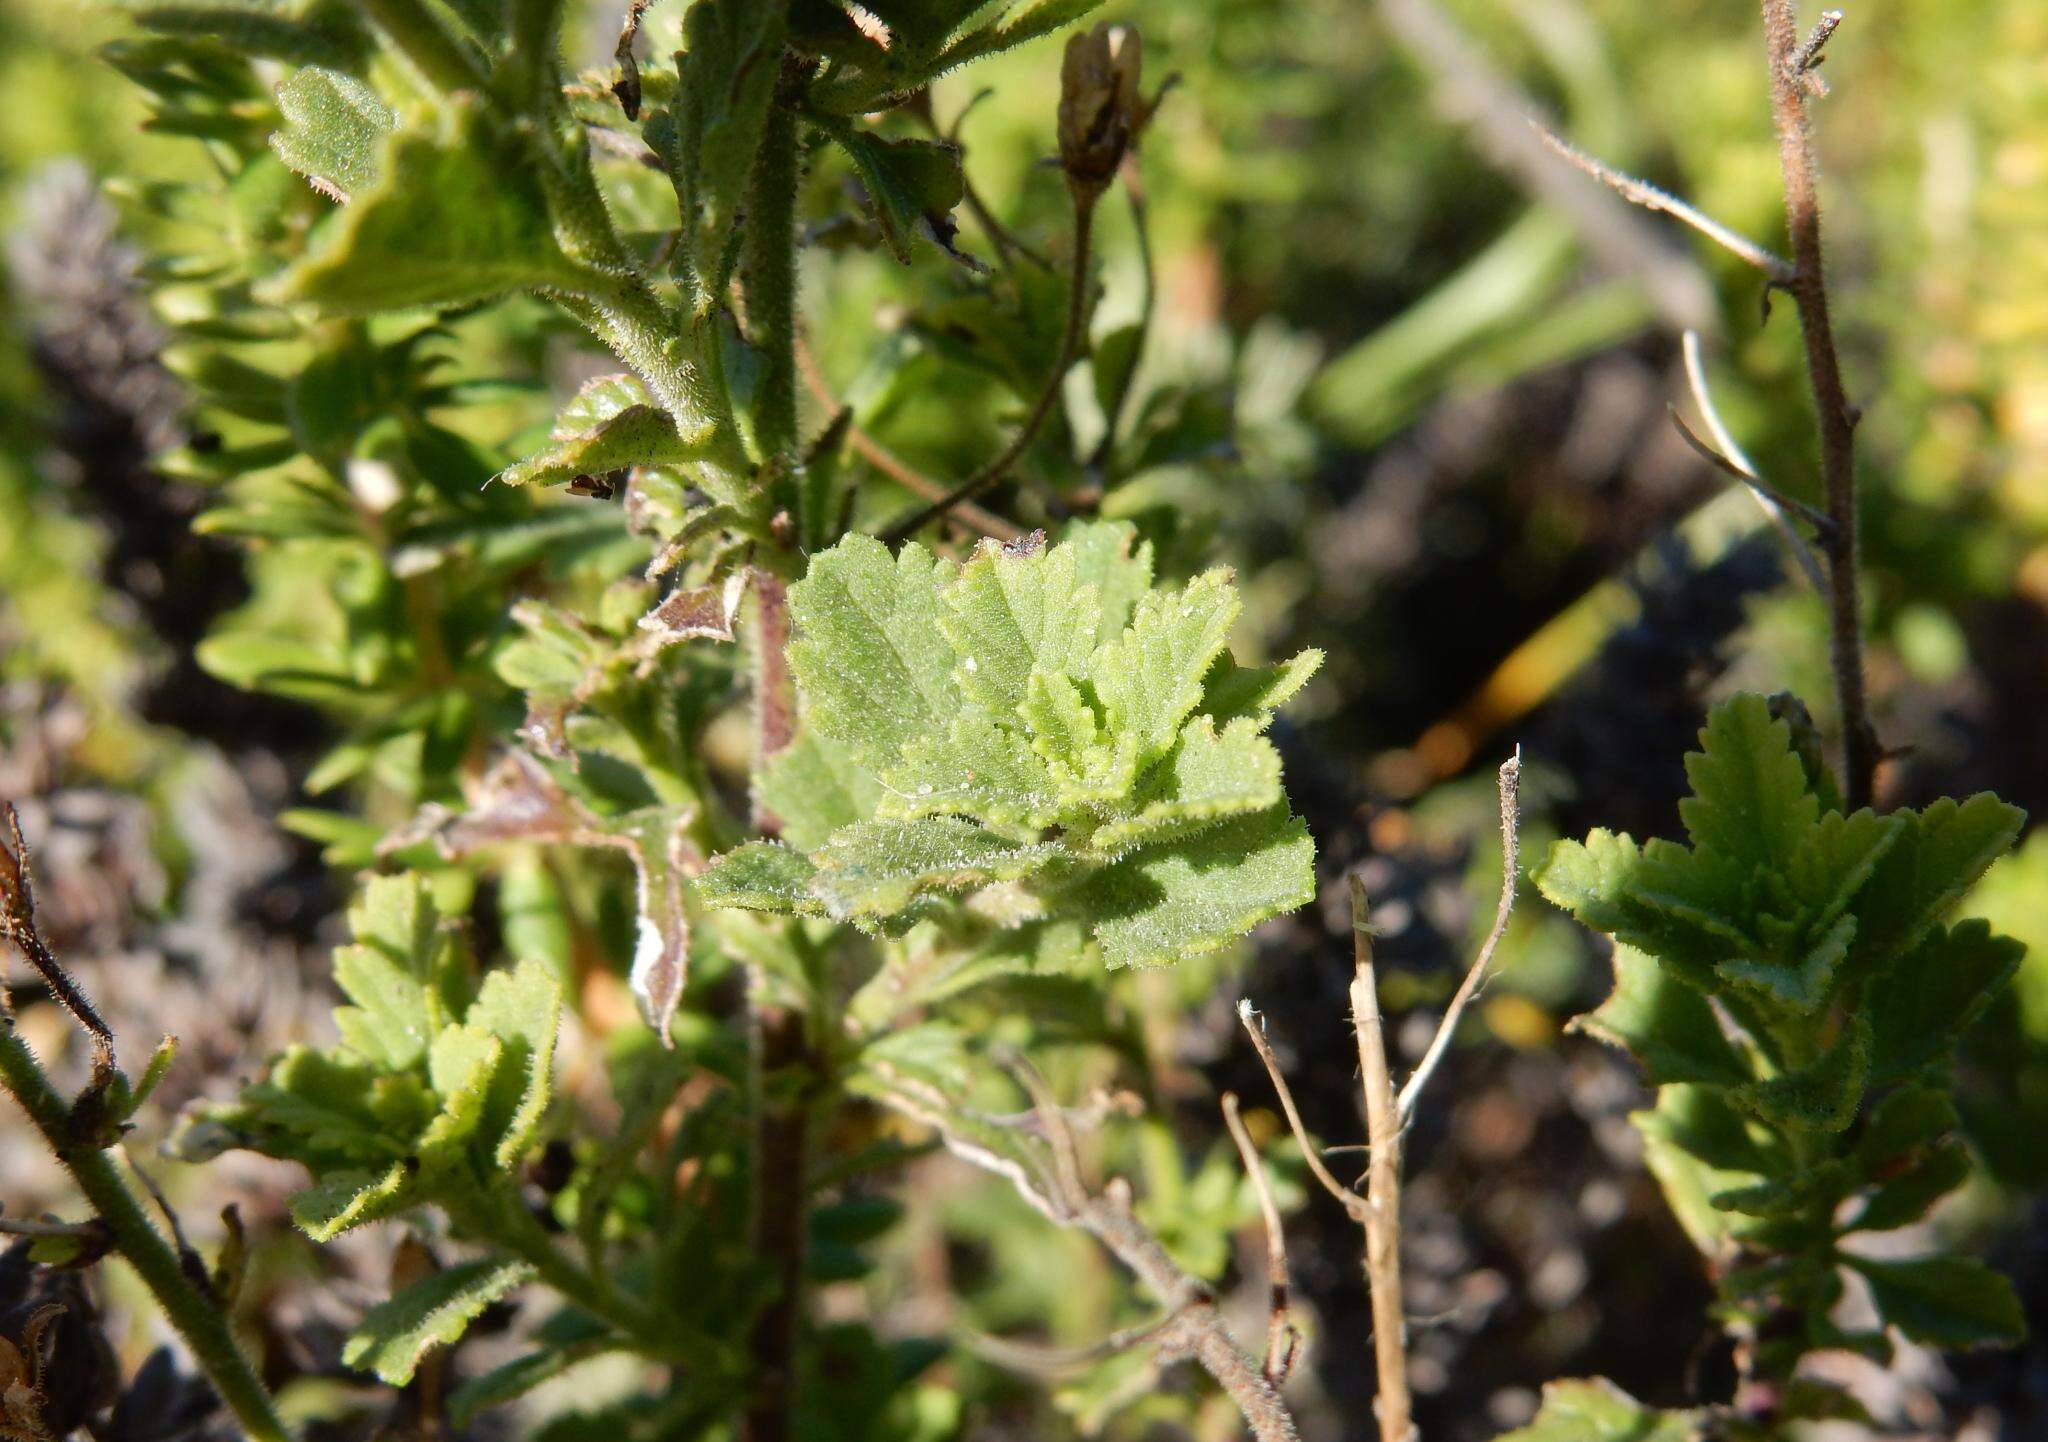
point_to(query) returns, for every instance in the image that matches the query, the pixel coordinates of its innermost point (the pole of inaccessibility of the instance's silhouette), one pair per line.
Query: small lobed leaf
(813, 788)
(435, 1311)
(612, 424)
(976, 767)
(1595, 1410)
(1699, 1146)
(1750, 796)
(1206, 778)
(1232, 691)
(1924, 1003)
(1947, 1302)
(1824, 1096)
(876, 868)
(522, 1008)
(1941, 854)
(1164, 903)
(333, 132)
(875, 671)
(1011, 614)
(1667, 1026)
(455, 215)
(761, 876)
(1149, 679)
(1906, 1198)
(344, 1200)
(910, 184)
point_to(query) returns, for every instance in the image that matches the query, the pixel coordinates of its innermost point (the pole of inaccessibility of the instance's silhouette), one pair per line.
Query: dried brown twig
(1283, 1338)
(1393, 1406)
(1649, 197)
(1510, 875)
(18, 926)
(1791, 66)
(1048, 1177)
(1387, 1113)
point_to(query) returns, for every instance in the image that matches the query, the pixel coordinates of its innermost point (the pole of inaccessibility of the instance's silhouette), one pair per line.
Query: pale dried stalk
(1649, 197)
(1282, 1337)
(1475, 977)
(1393, 1406)
(1194, 1325)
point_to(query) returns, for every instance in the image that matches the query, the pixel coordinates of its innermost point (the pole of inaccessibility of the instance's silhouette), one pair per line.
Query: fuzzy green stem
(198, 1319)
(770, 240)
(424, 40)
(513, 1227)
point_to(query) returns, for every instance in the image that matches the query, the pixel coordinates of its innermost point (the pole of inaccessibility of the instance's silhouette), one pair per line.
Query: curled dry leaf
(518, 800)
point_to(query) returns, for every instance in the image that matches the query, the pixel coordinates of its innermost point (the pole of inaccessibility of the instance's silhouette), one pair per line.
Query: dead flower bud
(1102, 111)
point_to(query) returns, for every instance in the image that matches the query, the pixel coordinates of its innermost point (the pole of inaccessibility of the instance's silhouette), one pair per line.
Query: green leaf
(1595, 880)
(456, 214)
(761, 876)
(1942, 854)
(299, 34)
(1949, 1302)
(1924, 1003)
(1011, 614)
(1909, 1118)
(876, 868)
(394, 973)
(1200, 894)
(977, 767)
(1149, 679)
(463, 1063)
(1595, 1410)
(389, 1022)
(612, 424)
(875, 671)
(1109, 556)
(923, 25)
(1667, 1026)
(522, 1008)
(349, 1199)
(1838, 857)
(334, 129)
(1824, 1096)
(813, 788)
(1257, 692)
(1698, 1146)
(1750, 798)
(1207, 778)
(909, 183)
(433, 1312)
(1086, 764)
(1906, 1198)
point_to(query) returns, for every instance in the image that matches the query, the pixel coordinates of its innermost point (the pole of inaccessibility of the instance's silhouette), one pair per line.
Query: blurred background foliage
(1424, 414)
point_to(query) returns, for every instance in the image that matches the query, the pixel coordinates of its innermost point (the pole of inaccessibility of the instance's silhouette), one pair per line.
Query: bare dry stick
(1727, 454)
(1194, 1326)
(1477, 93)
(1282, 1336)
(1475, 977)
(1790, 62)
(1352, 1203)
(1393, 1406)
(18, 926)
(1649, 197)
